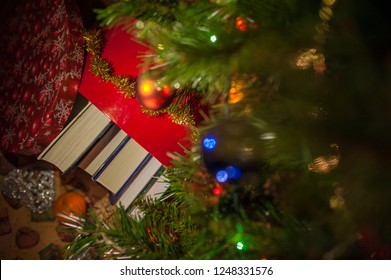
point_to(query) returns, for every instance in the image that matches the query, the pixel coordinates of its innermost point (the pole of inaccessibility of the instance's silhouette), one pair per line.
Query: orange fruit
(69, 203)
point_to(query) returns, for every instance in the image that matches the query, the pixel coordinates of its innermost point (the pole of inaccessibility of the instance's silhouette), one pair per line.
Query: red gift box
(158, 135)
(42, 56)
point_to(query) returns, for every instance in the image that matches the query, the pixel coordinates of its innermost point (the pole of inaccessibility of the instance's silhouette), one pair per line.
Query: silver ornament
(34, 188)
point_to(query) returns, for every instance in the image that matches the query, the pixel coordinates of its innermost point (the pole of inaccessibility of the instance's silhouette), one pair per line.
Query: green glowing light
(239, 246)
(213, 38)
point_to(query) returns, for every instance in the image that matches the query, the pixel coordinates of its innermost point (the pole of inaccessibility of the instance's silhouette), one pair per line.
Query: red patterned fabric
(158, 135)
(41, 56)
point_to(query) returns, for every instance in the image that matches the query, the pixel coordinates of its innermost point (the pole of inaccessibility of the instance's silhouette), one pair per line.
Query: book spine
(117, 150)
(89, 147)
(115, 197)
(147, 188)
(99, 146)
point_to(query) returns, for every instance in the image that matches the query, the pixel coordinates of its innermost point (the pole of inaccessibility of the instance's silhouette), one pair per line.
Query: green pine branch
(310, 200)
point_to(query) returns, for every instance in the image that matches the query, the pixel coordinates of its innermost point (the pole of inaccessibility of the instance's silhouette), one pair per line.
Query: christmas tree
(290, 160)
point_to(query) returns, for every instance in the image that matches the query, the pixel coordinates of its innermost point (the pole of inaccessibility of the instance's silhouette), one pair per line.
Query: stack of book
(92, 142)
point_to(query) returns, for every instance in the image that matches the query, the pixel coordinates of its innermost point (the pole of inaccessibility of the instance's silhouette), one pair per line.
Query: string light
(217, 190)
(239, 246)
(209, 142)
(222, 176)
(240, 24)
(213, 38)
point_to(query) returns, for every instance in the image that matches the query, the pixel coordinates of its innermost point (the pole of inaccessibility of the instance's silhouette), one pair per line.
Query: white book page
(69, 146)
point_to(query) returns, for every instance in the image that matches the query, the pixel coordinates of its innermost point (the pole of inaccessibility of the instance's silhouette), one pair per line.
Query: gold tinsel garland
(180, 114)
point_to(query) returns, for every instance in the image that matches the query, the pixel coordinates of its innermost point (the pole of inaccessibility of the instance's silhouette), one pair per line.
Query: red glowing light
(241, 24)
(217, 191)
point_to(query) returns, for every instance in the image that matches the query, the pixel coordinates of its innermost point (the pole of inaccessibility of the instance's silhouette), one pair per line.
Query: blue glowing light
(222, 176)
(233, 172)
(209, 142)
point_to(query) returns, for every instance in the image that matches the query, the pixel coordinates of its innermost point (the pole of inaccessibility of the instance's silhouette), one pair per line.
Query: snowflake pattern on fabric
(42, 55)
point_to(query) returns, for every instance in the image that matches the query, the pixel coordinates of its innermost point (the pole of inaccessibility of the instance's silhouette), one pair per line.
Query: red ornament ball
(152, 92)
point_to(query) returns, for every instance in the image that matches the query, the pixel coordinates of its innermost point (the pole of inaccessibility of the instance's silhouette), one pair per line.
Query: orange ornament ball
(69, 203)
(152, 93)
